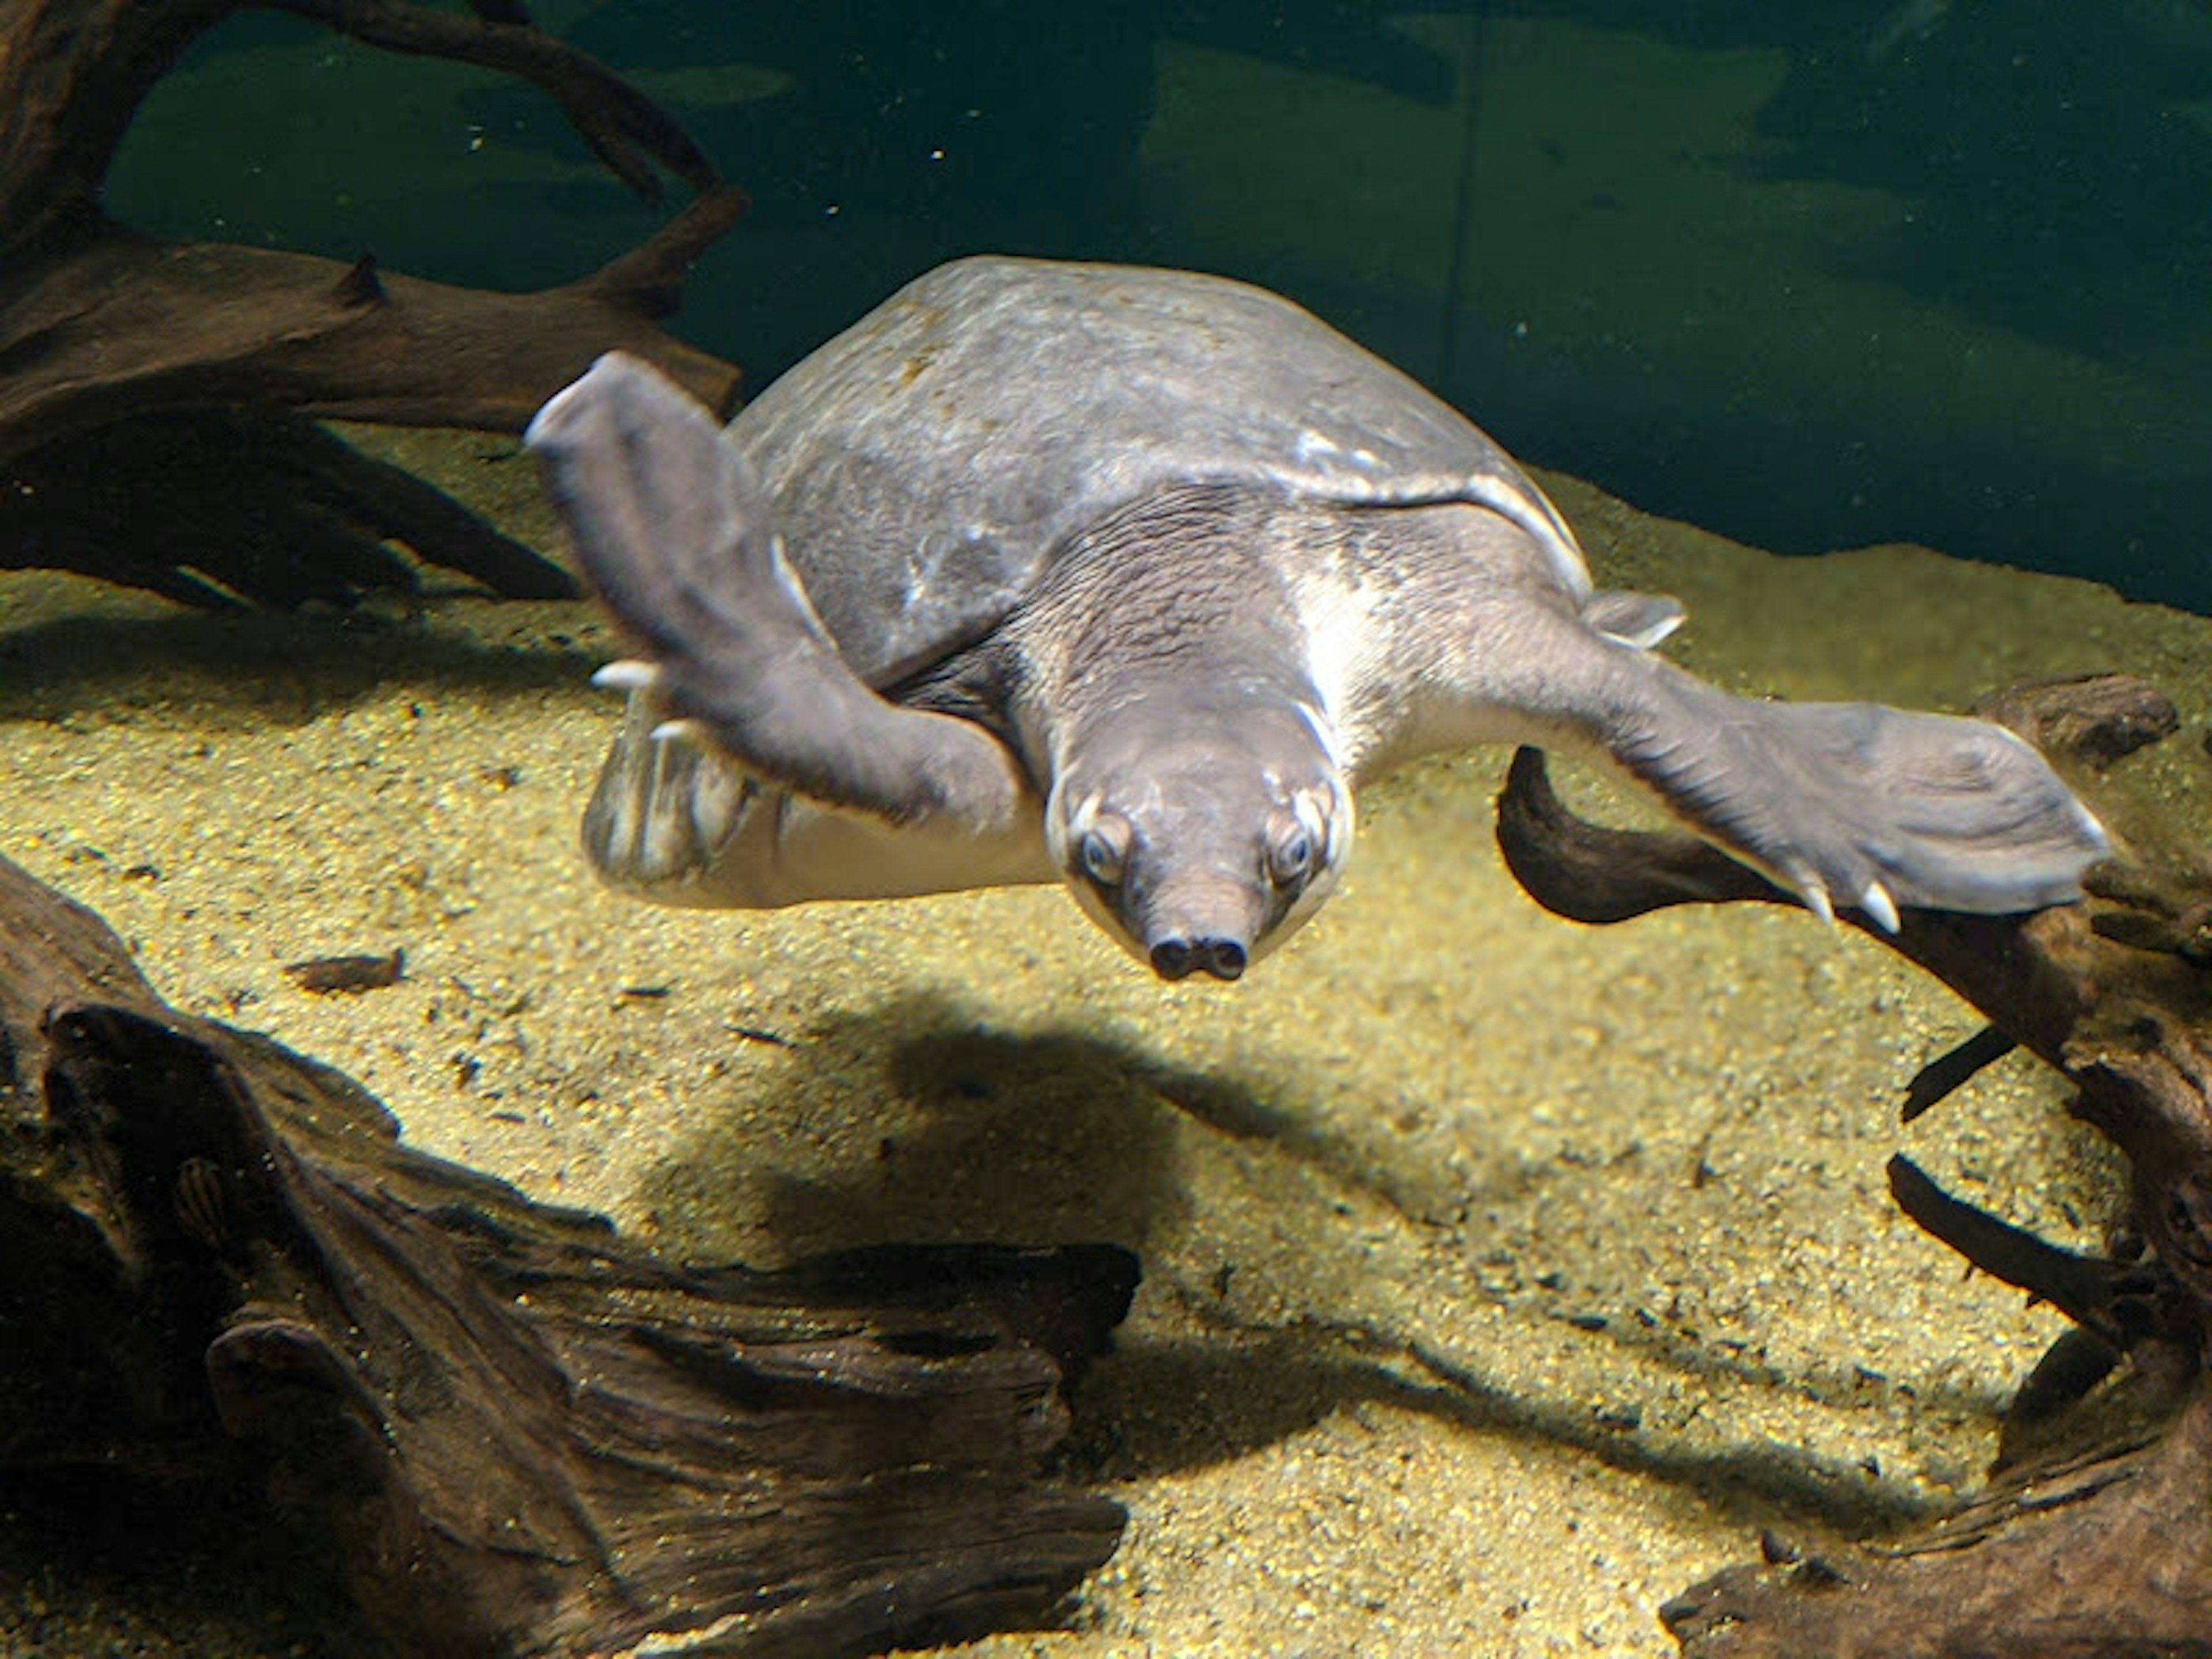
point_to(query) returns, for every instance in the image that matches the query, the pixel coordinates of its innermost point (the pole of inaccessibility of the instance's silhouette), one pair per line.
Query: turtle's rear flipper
(673, 532)
(1856, 805)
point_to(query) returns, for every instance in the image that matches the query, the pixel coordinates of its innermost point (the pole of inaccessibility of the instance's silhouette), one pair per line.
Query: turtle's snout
(1197, 849)
(1179, 958)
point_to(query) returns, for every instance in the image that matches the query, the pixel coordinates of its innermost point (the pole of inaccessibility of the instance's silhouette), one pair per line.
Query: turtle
(1131, 578)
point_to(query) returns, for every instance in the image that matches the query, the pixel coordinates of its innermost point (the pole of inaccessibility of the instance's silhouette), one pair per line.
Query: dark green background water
(1815, 275)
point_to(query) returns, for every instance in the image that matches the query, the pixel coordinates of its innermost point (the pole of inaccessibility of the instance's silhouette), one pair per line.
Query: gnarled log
(2094, 1536)
(505, 1429)
(99, 325)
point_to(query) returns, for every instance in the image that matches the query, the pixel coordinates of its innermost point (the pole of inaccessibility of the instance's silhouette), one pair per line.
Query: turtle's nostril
(1223, 957)
(1179, 958)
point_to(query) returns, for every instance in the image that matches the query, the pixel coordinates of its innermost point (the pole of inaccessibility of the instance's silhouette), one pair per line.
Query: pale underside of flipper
(1861, 805)
(675, 536)
(674, 820)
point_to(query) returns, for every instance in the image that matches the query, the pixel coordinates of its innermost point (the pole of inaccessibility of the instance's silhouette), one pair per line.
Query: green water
(1813, 276)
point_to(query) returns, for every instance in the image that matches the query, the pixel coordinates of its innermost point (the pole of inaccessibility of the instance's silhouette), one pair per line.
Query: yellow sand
(1502, 1277)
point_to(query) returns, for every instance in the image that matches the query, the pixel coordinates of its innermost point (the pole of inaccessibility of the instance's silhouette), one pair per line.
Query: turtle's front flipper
(1855, 804)
(674, 534)
(675, 821)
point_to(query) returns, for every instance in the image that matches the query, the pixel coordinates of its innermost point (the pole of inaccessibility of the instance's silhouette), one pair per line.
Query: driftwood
(128, 363)
(2094, 1536)
(503, 1428)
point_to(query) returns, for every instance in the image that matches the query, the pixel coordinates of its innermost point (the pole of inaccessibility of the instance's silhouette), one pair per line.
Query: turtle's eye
(1105, 849)
(1297, 841)
(1293, 850)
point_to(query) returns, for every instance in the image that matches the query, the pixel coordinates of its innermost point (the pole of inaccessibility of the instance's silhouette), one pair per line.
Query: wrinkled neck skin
(1195, 805)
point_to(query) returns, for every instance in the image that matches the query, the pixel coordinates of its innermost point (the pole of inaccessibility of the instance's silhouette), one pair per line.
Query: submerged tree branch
(99, 325)
(502, 1427)
(2095, 1538)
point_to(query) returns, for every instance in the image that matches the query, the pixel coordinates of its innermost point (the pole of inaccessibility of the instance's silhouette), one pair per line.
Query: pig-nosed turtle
(1129, 577)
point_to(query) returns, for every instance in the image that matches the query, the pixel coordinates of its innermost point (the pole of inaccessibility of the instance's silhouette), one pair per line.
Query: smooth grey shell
(927, 464)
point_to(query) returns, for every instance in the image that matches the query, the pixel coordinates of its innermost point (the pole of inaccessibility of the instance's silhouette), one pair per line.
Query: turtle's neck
(1178, 602)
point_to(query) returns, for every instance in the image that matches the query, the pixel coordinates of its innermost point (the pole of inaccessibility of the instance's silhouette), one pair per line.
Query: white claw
(626, 674)
(1878, 905)
(1816, 900)
(679, 728)
(2092, 827)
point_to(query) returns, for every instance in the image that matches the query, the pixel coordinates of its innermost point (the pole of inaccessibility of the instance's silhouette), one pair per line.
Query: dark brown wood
(503, 1428)
(1953, 1070)
(326, 976)
(2097, 719)
(219, 506)
(2094, 1537)
(100, 326)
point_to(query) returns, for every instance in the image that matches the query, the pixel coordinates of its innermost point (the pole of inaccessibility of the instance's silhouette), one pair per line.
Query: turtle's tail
(1862, 805)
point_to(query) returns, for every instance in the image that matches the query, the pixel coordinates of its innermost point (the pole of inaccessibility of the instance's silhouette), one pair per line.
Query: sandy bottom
(1502, 1277)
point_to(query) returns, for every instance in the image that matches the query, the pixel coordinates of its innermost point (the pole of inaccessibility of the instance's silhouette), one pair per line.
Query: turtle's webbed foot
(664, 807)
(1873, 808)
(675, 535)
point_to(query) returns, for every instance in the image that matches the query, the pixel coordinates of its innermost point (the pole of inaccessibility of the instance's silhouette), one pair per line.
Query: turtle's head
(1200, 839)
